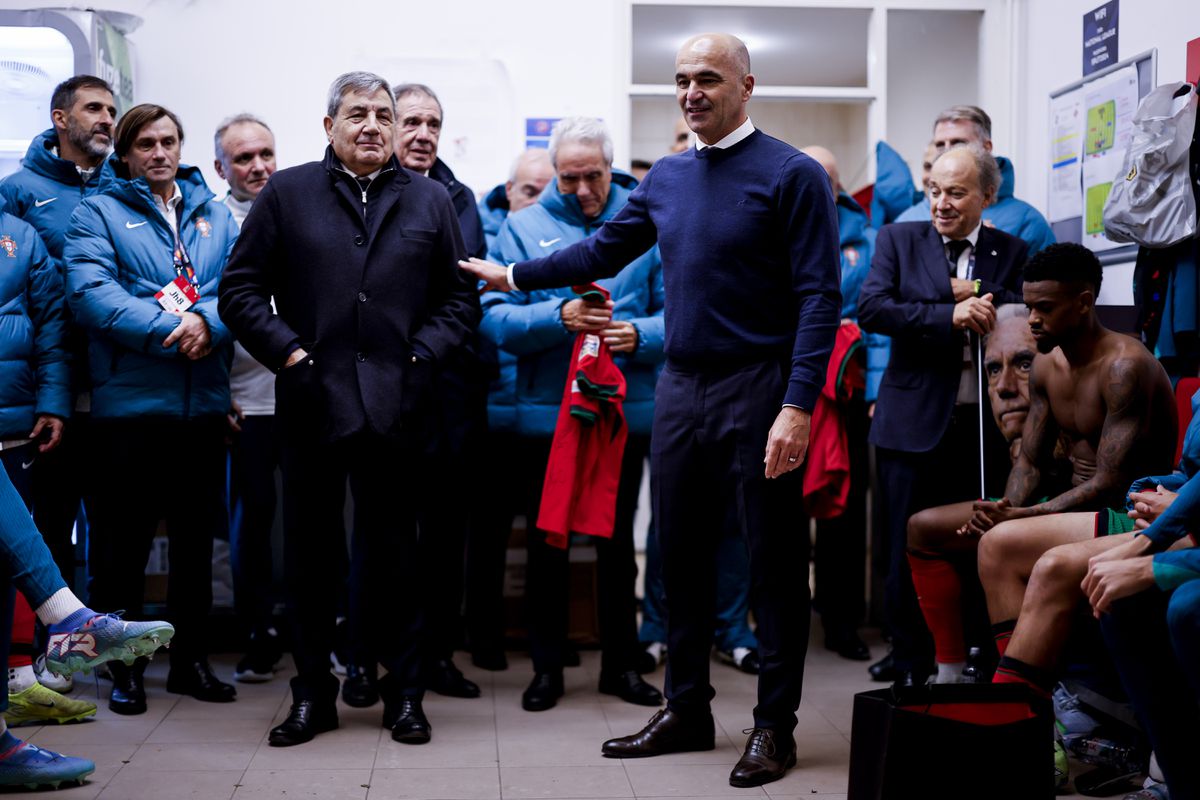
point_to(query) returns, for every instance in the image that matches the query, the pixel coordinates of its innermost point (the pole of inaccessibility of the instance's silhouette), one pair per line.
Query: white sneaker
(61, 684)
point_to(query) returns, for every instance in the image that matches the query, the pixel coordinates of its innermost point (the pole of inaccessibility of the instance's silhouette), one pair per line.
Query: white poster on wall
(1066, 155)
(1108, 108)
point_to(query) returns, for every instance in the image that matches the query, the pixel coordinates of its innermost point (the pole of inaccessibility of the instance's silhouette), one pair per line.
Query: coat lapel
(987, 255)
(934, 261)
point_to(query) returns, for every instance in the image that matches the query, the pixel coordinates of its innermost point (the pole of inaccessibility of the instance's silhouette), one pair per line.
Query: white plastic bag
(1151, 202)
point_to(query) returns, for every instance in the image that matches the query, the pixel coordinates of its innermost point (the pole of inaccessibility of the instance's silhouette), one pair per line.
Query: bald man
(751, 278)
(530, 173)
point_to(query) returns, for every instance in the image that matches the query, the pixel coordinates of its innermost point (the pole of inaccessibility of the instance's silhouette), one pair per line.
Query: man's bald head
(827, 160)
(713, 84)
(530, 173)
(724, 44)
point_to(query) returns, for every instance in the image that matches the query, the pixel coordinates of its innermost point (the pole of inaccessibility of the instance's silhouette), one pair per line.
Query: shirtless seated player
(1110, 402)
(937, 550)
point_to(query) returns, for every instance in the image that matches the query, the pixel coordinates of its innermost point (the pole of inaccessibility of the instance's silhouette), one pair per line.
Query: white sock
(949, 673)
(20, 678)
(61, 605)
(3, 725)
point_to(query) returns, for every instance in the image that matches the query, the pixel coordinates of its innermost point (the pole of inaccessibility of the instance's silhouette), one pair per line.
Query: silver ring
(791, 458)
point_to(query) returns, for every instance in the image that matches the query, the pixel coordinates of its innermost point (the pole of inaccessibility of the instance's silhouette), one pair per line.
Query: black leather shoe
(197, 679)
(767, 757)
(543, 692)
(847, 644)
(446, 679)
(491, 660)
(410, 725)
(359, 687)
(128, 696)
(306, 719)
(667, 732)
(630, 687)
(908, 678)
(884, 670)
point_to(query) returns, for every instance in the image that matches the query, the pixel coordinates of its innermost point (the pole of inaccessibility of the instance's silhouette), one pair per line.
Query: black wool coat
(373, 293)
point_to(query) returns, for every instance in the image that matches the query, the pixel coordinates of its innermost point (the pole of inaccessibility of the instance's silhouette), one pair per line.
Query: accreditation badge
(177, 296)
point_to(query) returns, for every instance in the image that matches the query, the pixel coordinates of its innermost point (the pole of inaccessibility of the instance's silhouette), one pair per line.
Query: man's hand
(1135, 547)
(975, 314)
(1107, 581)
(787, 442)
(234, 417)
(1148, 505)
(987, 514)
(192, 336)
(50, 427)
(962, 289)
(579, 315)
(295, 357)
(621, 337)
(494, 276)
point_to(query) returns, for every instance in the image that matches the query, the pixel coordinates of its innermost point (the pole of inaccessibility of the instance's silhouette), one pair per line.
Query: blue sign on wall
(1100, 37)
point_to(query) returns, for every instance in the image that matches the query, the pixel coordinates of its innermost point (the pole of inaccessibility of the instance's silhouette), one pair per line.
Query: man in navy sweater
(749, 240)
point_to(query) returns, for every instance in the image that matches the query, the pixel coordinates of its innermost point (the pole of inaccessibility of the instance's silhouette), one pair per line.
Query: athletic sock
(949, 673)
(58, 607)
(939, 593)
(20, 653)
(20, 678)
(1002, 632)
(1013, 670)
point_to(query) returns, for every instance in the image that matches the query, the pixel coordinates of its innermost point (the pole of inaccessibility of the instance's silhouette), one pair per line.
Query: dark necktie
(955, 250)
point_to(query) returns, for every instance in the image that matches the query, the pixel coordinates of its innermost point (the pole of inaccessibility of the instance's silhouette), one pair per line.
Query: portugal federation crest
(204, 226)
(8, 246)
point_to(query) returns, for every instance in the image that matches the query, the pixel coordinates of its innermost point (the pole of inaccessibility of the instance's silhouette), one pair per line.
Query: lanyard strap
(180, 258)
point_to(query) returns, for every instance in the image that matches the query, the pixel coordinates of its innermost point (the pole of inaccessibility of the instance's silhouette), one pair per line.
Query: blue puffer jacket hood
(529, 324)
(118, 255)
(1007, 214)
(493, 210)
(47, 189)
(894, 191)
(34, 366)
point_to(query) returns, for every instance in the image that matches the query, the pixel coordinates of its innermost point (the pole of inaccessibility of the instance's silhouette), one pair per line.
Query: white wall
(206, 60)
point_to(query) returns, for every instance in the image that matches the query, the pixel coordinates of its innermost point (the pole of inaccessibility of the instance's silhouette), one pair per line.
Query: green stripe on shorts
(1111, 521)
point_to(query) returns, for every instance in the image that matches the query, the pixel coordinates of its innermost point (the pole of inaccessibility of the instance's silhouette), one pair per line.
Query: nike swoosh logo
(544, 243)
(132, 225)
(40, 203)
(43, 705)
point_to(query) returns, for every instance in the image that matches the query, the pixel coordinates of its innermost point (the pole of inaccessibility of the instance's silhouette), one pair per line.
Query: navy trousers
(707, 448)
(1154, 638)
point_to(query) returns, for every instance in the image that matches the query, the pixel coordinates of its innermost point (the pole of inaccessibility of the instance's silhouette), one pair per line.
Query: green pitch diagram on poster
(1096, 197)
(1101, 127)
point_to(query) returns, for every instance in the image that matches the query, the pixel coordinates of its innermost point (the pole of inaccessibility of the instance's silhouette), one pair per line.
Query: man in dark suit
(932, 285)
(359, 255)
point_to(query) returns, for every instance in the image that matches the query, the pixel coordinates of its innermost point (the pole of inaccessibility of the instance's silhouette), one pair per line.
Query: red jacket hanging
(827, 468)
(580, 490)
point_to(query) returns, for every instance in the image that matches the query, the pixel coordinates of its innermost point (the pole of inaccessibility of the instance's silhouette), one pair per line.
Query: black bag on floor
(947, 742)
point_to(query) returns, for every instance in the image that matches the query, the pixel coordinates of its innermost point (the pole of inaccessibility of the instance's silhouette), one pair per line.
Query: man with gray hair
(965, 124)
(931, 284)
(359, 255)
(540, 327)
(244, 155)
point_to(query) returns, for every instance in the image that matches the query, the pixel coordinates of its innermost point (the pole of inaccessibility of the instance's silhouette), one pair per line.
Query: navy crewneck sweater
(749, 242)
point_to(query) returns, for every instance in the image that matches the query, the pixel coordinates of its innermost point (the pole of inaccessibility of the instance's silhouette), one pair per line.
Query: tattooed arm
(1127, 400)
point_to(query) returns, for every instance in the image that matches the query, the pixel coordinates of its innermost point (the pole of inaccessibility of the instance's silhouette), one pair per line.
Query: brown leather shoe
(667, 732)
(767, 758)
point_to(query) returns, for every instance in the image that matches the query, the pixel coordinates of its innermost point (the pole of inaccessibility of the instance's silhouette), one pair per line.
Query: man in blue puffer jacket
(35, 386)
(160, 386)
(64, 165)
(971, 124)
(540, 328)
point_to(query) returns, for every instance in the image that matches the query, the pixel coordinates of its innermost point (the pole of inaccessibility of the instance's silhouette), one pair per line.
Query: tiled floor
(481, 749)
